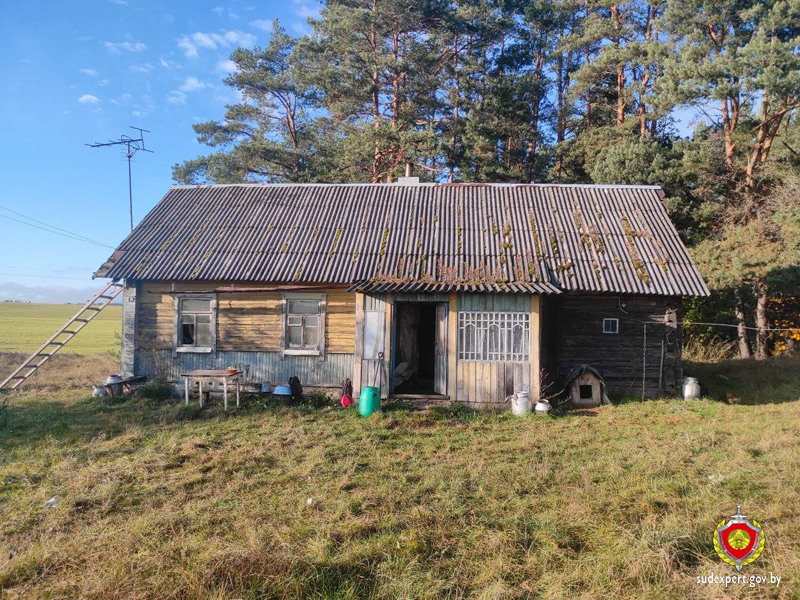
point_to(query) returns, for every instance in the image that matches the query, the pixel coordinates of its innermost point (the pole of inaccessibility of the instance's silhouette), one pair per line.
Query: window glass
(195, 322)
(192, 305)
(302, 324)
(494, 336)
(303, 307)
(203, 331)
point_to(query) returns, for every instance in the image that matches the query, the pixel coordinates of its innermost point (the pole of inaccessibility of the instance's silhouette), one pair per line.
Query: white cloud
(307, 8)
(168, 64)
(176, 97)
(120, 2)
(189, 49)
(226, 66)
(143, 68)
(192, 84)
(190, 43)
(89, 72)
(118, 47)
(104, 82)
(122, 100)
(24, 61)
(263, 24)
(89, 99)
(144, 107)
(218, 9)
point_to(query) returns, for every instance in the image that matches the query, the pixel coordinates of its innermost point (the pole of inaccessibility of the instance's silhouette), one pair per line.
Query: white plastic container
(691, 388)
(520, 403)
(542, 407)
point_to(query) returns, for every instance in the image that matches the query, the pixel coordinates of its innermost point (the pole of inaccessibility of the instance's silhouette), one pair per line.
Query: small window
(304, 324)
(610, 325)
(195, 324)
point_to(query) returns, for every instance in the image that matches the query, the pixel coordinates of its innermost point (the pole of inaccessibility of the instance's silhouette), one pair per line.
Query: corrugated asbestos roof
(381, 237)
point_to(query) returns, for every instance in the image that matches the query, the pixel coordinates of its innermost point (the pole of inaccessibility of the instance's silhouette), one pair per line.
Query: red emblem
(739, 541)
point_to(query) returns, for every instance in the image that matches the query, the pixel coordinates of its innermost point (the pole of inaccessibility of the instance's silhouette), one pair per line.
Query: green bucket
(369, 401)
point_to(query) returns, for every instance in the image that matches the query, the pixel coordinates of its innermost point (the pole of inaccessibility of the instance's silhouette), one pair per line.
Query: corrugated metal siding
(486, 238)
(257, 366)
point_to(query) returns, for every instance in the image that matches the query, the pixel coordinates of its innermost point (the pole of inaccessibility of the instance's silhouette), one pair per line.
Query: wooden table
(202, 375)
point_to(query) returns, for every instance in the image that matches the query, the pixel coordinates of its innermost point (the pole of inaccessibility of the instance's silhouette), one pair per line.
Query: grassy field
(161, 501)
(25, 327)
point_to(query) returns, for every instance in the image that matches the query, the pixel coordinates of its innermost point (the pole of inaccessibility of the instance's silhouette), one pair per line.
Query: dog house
(586, 387)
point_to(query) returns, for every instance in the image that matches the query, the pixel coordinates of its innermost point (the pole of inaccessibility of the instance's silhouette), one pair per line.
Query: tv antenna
(132, 146)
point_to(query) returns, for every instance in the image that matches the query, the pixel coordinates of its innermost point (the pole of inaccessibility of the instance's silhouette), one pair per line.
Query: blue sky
(78, 72)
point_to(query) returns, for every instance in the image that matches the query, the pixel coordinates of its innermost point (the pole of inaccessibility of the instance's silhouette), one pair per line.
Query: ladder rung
(69, 331)
(82, 320)
(106, 297)
(94, 308)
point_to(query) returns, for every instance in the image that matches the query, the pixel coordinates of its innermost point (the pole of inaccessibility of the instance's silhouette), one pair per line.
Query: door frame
(393, 343)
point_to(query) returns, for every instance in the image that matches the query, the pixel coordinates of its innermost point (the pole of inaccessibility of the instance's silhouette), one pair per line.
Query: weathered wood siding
(575, 324)
(245, 321)
(487, 383)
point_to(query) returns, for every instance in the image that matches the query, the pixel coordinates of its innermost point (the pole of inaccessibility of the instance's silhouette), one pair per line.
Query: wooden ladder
(60, 339)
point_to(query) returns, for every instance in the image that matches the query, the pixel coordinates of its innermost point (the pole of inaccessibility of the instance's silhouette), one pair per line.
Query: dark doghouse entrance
(420, 348)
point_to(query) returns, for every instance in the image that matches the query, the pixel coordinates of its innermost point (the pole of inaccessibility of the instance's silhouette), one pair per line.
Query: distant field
(25, 327)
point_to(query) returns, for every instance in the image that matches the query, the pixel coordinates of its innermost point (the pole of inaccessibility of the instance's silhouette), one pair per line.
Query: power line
(745, 327)
(53, 230)
(86, 279)
(72, 233)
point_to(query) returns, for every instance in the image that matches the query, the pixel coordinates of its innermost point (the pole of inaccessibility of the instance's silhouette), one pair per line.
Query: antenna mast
(132, 146)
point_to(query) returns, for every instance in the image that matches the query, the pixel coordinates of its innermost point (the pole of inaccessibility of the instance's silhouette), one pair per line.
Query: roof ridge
(426, 184)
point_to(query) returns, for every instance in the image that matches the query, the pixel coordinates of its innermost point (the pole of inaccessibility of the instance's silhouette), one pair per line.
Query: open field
(25, 327)
(161, 501)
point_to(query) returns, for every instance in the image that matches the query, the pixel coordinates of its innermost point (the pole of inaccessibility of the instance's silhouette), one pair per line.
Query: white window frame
(616, 326)
(481, 324)
(285, 349)
(179, 298)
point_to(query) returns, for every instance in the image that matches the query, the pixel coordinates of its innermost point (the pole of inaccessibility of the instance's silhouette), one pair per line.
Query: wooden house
(467, 292)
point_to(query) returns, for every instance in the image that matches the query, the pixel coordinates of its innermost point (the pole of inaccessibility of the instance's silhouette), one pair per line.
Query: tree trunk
(745, 350)
(762, 323)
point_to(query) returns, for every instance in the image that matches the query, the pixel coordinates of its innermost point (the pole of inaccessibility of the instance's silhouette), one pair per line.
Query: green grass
(25, 327)
(750, 381)
(160, 501)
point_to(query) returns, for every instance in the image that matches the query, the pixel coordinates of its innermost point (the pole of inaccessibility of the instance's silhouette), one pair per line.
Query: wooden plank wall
(619, 357)
(486, 383)
(245, 321)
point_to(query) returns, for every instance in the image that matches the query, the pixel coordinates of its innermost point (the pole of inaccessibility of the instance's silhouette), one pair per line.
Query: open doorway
(418, 370)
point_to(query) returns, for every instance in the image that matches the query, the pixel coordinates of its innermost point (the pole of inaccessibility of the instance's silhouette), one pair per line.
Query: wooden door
(440, 366)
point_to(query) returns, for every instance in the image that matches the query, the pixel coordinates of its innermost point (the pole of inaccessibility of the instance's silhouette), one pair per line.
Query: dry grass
(63, 371)
(160, 501)
(710, 350)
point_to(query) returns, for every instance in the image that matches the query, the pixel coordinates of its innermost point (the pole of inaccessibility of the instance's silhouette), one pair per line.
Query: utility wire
(72, 233)
(2, 274)
(69, 235)
(750, 328)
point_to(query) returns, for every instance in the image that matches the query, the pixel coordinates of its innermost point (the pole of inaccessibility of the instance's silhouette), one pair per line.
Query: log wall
(574, 335)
